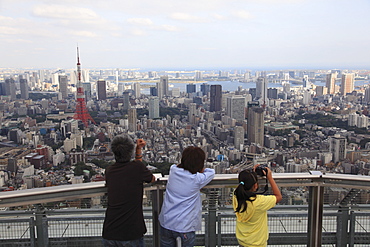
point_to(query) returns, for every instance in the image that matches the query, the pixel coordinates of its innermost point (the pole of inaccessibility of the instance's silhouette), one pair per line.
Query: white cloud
(188, 18)
(138, 32)
(9, 30)
(169, 28)
(219, 17)
(64, 12)
(140, 21)
(242, 14)
(86, 34)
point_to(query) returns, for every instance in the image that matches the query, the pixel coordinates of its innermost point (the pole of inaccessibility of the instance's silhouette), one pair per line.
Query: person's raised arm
(140, 143)
(274, 187)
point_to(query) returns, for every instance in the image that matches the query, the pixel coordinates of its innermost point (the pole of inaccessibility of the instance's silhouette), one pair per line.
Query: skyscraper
(238, 137)
(191, 88)
(261, 89)
(306, 82)
(154, 107)
(337, 146)
(215, 98)
(255, 124)
(132, 119)
(198, 75)
(347, 85)
(137, 89)
(192, 113)
(87, 90)
(205, 88)
(272, 93)
(126, 101)
(236, 107)
(10, 88)
(153, 91)
(24, 88)
(330, 82)
(162, 87)
(101, 88)
(63, 86)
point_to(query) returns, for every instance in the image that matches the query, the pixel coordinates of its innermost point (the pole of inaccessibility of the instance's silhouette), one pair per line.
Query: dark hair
(123, 148)
(243, 193)
(192, 159)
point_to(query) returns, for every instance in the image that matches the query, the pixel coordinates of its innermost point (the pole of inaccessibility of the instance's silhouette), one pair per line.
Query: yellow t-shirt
(251, 225)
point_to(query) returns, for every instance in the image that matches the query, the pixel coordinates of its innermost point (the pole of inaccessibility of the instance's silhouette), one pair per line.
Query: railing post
(212, 195)
(352, 229)
(315, 213)
(157, 200)
(32, 231)
(219, 230)
(41, 227)
(342, 227)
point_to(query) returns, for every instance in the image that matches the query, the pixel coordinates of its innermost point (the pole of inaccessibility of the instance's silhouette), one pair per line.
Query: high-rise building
(367, 95)
(153, 91)
(10, 88)
(192, 113)
(126, 100)
(87, 90)
(191, 88)
(154, 107)
(272, 93)
(238, 137)
(137, 89)
(132, 120)
(235, 107)
(330, 82)
(215, 98)
(321, 90)
(101, 88)
(23, 84)
(306, 82)
(205, 88)
(337, 146)
(2, 88)
(255, 124)
(306, 97)
(198, 75)
(63, 85)
(162, 87)
(261, 89)
(347, 85)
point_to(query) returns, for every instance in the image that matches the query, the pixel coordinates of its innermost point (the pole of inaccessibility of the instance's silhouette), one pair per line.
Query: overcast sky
(187, 34)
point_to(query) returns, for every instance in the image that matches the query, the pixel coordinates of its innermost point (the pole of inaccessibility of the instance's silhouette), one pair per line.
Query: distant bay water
(234, 85)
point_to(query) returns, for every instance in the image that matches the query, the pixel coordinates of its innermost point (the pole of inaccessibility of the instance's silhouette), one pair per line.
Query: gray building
(154, 107)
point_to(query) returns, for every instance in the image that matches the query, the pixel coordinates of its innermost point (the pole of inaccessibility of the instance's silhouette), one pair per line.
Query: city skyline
(192, 34)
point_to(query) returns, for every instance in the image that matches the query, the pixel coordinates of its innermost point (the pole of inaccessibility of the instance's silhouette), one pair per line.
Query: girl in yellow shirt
(251, 209)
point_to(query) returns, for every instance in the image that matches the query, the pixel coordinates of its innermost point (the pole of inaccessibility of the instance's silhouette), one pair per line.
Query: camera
(261, 170)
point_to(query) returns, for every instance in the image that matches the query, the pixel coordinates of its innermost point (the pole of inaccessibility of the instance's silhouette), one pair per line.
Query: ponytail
(243, 192)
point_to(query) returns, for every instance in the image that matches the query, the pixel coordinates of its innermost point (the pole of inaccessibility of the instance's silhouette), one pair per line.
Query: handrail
(85, 190)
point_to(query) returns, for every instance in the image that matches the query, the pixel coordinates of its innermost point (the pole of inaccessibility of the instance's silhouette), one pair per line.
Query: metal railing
(314, 224)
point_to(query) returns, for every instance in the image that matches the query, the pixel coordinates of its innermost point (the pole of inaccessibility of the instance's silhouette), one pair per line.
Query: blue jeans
(131, 243)
(168, 238)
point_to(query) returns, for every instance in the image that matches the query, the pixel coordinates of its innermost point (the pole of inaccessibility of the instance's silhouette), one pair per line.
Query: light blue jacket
(182, 209)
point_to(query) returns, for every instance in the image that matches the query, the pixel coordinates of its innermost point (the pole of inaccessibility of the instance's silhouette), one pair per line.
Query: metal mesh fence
(16, 232)
(360, 229)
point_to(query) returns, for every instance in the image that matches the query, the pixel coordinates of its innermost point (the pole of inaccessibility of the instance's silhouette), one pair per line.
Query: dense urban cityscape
(55, 132)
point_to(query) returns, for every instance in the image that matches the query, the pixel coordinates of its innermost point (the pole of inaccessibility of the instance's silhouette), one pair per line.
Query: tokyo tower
(81, 111)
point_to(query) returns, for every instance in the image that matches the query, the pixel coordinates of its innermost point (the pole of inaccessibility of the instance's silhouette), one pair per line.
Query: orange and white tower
(81, 111)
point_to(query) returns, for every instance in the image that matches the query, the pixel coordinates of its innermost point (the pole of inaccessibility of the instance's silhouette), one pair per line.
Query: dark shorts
(131, 243)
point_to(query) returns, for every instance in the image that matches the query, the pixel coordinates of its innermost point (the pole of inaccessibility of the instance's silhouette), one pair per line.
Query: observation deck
(28, 219)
